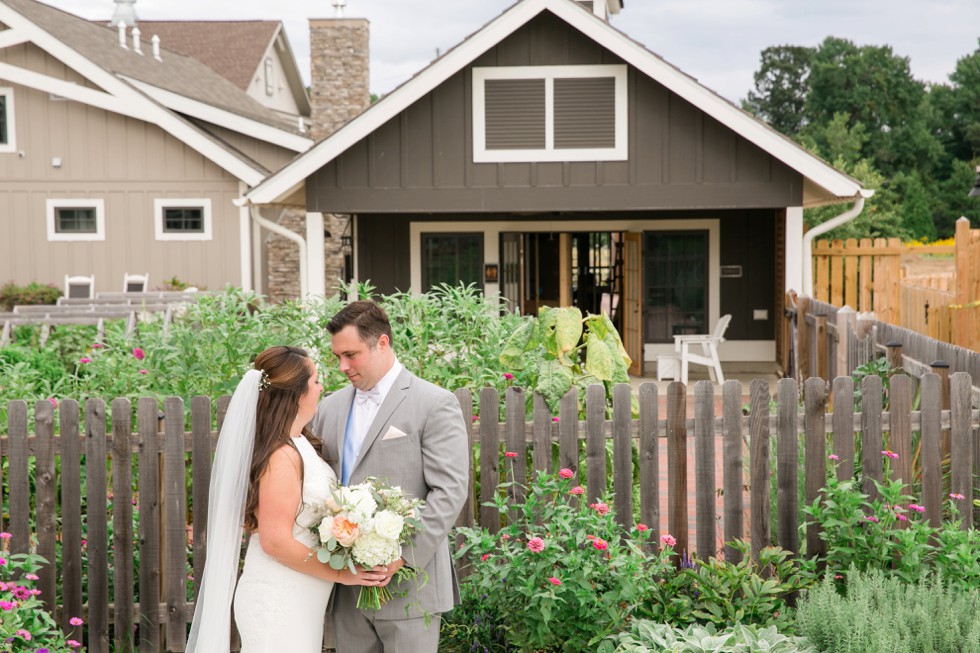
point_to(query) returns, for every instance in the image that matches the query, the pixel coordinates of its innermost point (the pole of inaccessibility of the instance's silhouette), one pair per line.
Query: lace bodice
(318, 481)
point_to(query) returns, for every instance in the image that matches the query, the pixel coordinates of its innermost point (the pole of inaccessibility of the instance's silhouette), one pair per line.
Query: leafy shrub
(561, 575)
(882, 614)
(33, 293)
(891, 534)
(650, 637)
(24, 624)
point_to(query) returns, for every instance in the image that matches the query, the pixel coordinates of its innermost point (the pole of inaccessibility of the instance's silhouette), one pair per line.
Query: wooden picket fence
(716, 465)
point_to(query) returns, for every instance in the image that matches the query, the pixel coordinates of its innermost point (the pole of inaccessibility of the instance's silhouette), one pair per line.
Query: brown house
(123, 150)
(552, 160)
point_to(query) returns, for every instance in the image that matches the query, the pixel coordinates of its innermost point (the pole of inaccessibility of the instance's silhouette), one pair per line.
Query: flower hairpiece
(263, 380)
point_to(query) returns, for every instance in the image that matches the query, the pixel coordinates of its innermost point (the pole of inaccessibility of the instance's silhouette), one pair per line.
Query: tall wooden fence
(693, 471)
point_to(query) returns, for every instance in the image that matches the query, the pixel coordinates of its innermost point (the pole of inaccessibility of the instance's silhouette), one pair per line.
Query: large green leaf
(568, 331)
(544, 331)
(513, 354)
(599, 358)
(554, 380)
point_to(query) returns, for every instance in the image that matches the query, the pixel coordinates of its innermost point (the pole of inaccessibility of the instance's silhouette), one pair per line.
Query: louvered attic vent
(549, 113)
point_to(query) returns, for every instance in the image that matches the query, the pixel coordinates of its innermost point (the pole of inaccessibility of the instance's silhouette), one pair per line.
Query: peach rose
(344, 530)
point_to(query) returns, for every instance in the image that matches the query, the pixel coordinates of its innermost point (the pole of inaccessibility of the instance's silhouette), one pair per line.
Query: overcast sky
(716, 41)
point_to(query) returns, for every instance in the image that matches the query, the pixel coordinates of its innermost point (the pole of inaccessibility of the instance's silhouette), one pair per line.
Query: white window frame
(620, 152)
(75, 203)
(11, 145)
(160, 204)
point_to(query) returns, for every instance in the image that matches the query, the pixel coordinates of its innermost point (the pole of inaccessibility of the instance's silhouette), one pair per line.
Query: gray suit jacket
(429, 462)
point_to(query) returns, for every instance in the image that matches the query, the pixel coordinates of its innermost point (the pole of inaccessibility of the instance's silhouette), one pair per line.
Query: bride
(268, 477)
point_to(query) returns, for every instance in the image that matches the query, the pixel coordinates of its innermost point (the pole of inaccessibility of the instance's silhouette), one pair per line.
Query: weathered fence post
(843, 421)
(932, 480)
(815, 466)
(732, 431)
(820, 333)
(846, 319)
(71, 512)
(787, 465)
(941, 369)
(961, 441)
(623, 453)
(98, 531)
(759, 465)
(650, 462)
(516, 442)
(803, 336)
(122, 524)
(872, 467)
(900, 428)
(489, 458)
(677, 465)
(595, 442)
(894, 356)
(704, 467)
(149, 529)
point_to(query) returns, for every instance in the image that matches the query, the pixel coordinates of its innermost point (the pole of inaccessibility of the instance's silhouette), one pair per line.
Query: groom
(393, 425)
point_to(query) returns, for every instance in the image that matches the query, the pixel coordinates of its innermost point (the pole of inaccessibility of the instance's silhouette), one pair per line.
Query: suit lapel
(394, 399)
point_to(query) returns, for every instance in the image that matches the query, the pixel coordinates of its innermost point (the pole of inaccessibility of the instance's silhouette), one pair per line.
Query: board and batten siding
(679, 158)
(126, 162)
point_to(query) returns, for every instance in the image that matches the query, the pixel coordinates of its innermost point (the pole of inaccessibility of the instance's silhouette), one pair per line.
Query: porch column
(314, 255)
(794, 249)
(245, 242)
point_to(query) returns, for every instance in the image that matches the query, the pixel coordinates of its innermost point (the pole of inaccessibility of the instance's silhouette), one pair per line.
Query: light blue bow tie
(368, 397)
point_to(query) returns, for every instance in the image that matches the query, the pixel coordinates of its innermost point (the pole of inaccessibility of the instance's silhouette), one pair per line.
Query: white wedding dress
(278, 609)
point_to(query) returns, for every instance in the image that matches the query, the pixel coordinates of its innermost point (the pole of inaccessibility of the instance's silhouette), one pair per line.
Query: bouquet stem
(372, 598)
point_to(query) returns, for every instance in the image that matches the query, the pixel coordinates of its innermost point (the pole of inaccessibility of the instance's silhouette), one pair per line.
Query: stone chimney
(125, 12)
(339, 62)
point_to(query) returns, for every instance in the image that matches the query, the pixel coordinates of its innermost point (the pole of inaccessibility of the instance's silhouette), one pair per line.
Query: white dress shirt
(367, 404)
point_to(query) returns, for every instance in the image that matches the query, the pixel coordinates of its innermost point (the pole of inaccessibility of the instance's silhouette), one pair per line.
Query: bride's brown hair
(286, 379)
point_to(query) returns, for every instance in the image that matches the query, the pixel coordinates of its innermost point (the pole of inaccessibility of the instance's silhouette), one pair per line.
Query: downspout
(823, 228)
(304, 278)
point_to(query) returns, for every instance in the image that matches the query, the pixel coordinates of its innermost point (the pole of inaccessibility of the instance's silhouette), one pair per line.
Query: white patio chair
(80, 286)
(136, 282)
(709, 350)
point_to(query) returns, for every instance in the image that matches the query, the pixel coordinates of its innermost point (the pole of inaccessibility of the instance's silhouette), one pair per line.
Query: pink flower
(578, 489)
(144, 371)
(600, 544)
(26, 634)
(956, 495)
(485, 557)
(31, 577)
(5, 536)
(888, 453)
(54, 402)
(600, 507)
(872, 519)
(833, 456)
(35, 592)
(901, 517)
(566, 473)
(475, 417)
(508, 376)
(73, 644)
(916, 507)
(7, 606)
(642, 527)
(554, 419)
(536, 544)
(510, 454)
(138, 353)
(668, 540)
(505, 536)
(554, 581)
(75, 621)
(3, 561)
(97, 345)
(84, 359)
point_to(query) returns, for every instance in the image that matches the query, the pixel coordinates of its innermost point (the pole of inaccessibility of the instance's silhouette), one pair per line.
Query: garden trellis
(714, 460)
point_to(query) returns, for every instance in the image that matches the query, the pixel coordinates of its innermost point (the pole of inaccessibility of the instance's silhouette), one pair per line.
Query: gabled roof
(235, 49)
(823, 183)
(94, 52)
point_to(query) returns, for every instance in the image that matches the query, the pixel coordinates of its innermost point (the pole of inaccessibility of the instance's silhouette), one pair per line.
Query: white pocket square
(393, 433)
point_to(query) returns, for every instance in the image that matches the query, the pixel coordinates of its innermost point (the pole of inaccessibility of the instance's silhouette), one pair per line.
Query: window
(675, 278)
(76, 219)
(451, 259)
(549, 113)
(7, 134)
(182, 219)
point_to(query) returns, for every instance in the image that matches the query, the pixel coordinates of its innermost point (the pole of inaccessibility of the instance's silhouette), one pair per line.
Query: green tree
(966, 106)
(781, 88)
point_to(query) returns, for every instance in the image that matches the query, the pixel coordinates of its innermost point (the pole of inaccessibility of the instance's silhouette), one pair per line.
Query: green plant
(726, 593)
(646, 636)
(890, 534)
(33, 293)
(556, 341)
(561, 575)
(882, 614)
(24, 623)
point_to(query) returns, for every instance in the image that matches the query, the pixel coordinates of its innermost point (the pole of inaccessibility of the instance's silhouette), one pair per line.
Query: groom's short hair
(367, 317)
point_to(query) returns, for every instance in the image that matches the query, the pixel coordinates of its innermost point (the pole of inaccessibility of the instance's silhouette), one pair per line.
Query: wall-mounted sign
(731, 272)
(490, 273)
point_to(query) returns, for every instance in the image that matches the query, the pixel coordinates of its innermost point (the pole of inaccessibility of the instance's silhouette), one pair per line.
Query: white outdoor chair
(136, 282)
(80, 286)
(709, 350)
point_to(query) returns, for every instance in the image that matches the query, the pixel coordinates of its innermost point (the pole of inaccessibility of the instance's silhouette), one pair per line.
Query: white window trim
(160, 204)
(11, 145)
(549, 73)
(80, 203)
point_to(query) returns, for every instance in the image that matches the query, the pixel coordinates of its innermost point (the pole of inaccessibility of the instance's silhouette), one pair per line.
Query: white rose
(361, 502)
(388, 524)
(326, 529)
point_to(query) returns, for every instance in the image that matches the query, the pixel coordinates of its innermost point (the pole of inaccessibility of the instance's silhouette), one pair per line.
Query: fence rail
(701, 474)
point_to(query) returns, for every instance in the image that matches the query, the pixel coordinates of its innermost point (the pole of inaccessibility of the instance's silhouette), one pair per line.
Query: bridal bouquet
(366, 524)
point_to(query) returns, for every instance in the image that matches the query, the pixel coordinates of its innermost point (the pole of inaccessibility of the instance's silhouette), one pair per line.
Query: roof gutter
(304, 275)
(823, 228)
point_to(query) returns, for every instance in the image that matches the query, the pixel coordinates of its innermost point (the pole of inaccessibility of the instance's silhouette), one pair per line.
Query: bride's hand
(374, 577)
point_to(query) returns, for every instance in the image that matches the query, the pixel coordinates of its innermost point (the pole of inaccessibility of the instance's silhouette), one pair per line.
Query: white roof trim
(148, 109)
(222, 118)
(68, 90)
(282, 183)
(11, 37)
